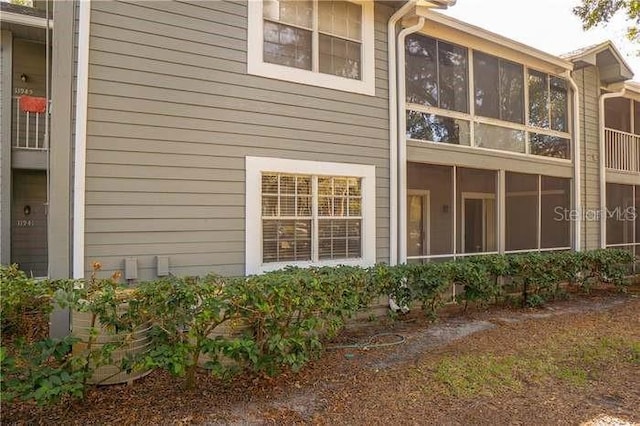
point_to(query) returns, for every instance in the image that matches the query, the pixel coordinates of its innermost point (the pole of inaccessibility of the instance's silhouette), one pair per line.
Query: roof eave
(473, 30)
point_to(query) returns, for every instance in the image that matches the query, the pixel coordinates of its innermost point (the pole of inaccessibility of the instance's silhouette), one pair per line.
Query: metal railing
(29, 128)
(622, 150)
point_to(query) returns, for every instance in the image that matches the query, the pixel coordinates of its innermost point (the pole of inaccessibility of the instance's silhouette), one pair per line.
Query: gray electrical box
(131, 268)
(162, 266)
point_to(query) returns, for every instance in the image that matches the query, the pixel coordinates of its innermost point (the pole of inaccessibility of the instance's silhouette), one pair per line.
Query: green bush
(184, 312)
(286, 316)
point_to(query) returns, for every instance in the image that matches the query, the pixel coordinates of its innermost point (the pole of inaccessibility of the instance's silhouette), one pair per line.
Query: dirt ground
(568, 363)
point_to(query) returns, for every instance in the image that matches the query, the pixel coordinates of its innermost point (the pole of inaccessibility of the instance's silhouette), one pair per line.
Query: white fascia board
(483, 34)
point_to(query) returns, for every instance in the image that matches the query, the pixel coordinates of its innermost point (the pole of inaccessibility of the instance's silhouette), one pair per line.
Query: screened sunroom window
(548, 102)
(436, 73)
(307, 218)
(323, 36)
(499, 88)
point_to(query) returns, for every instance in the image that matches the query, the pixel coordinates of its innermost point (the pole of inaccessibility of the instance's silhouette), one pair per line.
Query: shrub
(184, 312)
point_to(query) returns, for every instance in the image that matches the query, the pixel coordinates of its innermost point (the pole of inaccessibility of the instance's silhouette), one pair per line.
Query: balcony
(622, 151)
(29, 123)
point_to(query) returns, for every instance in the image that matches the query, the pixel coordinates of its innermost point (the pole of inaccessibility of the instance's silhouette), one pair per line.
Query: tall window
(548, 101)
(306, 212)
(499, 88)
(316, 40)
(436, 73)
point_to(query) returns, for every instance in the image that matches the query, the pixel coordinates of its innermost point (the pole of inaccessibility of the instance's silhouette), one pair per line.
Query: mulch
(348, 386)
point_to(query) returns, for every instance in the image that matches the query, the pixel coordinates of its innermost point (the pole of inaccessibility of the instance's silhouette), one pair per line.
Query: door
(29, 222)
(417, 223)
(478, 223)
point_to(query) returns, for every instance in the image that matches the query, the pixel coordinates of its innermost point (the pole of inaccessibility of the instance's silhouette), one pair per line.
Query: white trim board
(255, 166)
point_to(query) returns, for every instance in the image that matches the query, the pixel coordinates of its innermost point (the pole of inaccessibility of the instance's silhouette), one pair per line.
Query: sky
(547, 25)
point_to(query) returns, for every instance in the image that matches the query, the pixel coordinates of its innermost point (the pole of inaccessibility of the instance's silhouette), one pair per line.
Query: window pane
(511, 92)
(555, 200)
(619, 215)
(476, 210)
(538, 110)
(558, 104)
(437, 180)
(339, 238)
(286, 240)
(485, 79)
(435, 128)
(501, 138)
(617, 113)
(549, 146)
(340, 18)
(270, 184)
(286, 45)
(452, 61)
(340, 57)
(521, 204)
(294, 12)
(421, 70)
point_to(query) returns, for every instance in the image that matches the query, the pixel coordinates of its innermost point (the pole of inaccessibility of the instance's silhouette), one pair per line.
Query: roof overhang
(481, 33)
(632, 89)
(606, 57)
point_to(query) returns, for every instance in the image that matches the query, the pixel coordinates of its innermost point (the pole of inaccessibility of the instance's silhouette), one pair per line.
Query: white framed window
(307, 213)
(326, 43)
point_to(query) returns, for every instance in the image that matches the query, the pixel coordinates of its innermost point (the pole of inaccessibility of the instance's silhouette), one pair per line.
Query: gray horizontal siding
(589, 87)
(172, 115)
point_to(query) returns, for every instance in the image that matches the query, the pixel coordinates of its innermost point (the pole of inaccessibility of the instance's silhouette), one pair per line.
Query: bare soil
(567, 363)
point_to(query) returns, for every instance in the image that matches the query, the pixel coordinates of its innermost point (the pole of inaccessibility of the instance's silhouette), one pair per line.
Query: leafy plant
(184, 313)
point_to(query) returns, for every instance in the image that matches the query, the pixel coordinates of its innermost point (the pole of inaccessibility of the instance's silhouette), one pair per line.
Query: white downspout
(602, 170)
(393, 129)
(82, 86)
(577, 184)
(401, 141)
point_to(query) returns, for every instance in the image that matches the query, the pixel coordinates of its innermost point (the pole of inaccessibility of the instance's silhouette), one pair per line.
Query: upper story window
(436, 73)
(499, 88)
(548, 101)
(327, 43)
(481, 102)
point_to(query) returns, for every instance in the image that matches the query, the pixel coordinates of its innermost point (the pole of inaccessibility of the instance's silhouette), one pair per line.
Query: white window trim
(257, 66)
(256, 166)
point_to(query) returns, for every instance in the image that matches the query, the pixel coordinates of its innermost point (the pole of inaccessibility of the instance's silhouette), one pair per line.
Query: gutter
(396, 66)
(402, 140)
(577, 184)
(82, 86)
(602, 164)
(393, 128)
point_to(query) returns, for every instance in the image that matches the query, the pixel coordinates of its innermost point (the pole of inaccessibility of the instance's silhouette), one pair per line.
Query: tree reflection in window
(436, 128)
(436, 73)
(499, 88)
(549, 146)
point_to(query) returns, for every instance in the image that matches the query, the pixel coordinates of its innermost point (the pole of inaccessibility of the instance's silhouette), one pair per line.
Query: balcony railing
(29, 123)
(622, 151)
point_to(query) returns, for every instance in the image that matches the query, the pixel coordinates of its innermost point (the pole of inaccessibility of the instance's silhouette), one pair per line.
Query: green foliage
(263, 323)
(21, 295)
(44, 371)
(184, 313)
(595, 12)
(291, 312)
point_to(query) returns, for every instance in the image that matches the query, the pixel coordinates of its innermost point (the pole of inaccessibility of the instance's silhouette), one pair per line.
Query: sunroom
(488, 145)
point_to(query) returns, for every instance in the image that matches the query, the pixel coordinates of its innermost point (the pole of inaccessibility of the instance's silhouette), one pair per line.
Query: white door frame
(478, 196)
(426, 218)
